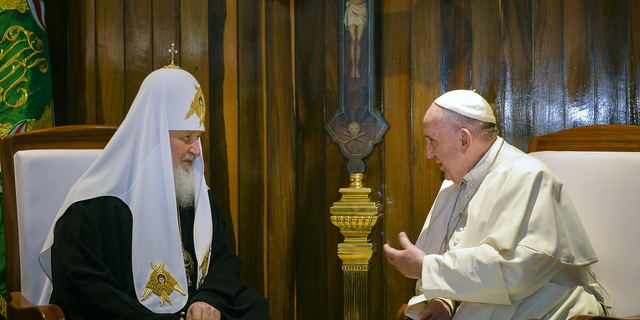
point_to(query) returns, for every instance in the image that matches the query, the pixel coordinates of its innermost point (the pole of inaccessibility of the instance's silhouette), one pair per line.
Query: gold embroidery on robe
(204, 267)
(161, 283)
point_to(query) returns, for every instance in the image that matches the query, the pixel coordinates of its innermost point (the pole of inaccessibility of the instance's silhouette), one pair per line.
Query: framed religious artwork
(356, 126)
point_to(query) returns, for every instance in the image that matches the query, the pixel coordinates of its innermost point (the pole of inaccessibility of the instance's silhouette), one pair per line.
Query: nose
(195, 147)
(429, 151)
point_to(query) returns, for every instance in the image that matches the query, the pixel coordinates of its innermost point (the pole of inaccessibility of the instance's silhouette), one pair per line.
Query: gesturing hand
(202, 311)
(407, 261)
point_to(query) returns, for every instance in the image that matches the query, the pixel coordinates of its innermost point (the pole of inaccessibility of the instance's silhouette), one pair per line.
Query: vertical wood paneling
(335, 168)
(138, 43)
(251, 176)
(311, 227)
(57, 26)
(110, 103)
(281, 159)
(82, 62)
(219, 172)
(579, 63)
(230, 104)
(375, 168)
(517, 46)
(456, 45)
(634, 60)
(548, 67)
(396, 75)
(427, 86)
(486, 59)
(166, 30)
(611, 81)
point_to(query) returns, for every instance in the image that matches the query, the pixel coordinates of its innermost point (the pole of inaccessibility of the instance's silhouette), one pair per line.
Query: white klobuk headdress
(136, 167)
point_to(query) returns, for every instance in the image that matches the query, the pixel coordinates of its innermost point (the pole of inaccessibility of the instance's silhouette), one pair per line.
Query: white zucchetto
(467, 103)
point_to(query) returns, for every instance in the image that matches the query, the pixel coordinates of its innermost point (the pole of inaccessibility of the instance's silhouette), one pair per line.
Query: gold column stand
(356, 215)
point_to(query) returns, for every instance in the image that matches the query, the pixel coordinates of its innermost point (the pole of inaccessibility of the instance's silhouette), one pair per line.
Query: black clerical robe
(92, 274)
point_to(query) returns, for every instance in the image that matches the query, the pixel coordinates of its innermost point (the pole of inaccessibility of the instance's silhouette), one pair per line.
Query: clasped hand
(409, 260)
(202, 311)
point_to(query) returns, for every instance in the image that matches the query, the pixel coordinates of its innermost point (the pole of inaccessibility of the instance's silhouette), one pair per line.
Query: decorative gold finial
(172, 65)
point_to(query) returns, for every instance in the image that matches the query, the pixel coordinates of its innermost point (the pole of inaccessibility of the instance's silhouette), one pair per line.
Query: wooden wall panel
(611, 81)
(634, 60)
(486, 23)
(311, 228)
(57, 26)
(110, 62)
(579, 62)
(230, 102)
(138, 45)
(251, 145)
(166, 30)
(82, 62)
(218, 157)
(396, 74)
(548, 67)
(518, 73)
(281, 160)
(336, 174)
(456, 45)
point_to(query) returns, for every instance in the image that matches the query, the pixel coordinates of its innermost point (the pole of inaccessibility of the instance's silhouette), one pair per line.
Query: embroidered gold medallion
(161, 283)
(197, 105)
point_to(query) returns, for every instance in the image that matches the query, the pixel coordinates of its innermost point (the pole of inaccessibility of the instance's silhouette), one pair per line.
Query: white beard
(185, 186)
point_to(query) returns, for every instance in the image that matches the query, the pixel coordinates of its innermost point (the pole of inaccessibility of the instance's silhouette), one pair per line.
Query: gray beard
(185, 186)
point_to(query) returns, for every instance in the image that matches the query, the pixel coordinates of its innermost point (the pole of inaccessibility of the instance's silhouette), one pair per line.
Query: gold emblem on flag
(161, 283)
(21, 5)
(197, 105)
(23, 53)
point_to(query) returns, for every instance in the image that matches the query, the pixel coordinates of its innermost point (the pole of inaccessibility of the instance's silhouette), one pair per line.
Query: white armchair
(600, 168)
(38, 169)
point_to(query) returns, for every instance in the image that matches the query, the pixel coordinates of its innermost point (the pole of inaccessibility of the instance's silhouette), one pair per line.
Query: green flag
(26, 101)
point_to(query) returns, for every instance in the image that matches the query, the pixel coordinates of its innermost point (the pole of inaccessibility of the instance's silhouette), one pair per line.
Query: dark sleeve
(91, 263)
(222, 287)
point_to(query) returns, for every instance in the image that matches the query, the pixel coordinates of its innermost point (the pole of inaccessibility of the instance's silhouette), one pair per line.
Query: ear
(465, 140)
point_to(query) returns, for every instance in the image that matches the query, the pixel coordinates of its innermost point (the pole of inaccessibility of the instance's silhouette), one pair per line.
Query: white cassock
(506, 243)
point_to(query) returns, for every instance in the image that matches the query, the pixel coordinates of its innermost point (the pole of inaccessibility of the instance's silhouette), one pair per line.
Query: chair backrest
(38, 169)
(601, 172)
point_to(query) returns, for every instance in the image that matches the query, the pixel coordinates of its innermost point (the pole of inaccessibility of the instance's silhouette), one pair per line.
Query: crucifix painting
(356, 126)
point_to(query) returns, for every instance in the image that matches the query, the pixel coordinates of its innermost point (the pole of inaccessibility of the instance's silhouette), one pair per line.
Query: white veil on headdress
(136, 167)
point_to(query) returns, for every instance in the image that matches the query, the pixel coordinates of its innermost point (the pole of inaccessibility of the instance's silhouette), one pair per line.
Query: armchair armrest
(400, 315)
(20, 308)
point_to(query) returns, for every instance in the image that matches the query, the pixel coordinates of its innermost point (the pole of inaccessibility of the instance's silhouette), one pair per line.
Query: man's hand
(407, 261)
(436, 310)
(202, 311)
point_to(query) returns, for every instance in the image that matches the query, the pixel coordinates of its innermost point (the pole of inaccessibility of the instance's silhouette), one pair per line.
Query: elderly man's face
(185, 147)
(443, 144)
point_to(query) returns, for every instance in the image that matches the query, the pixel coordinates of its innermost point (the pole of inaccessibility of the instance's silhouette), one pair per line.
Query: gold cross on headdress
(172, 65)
